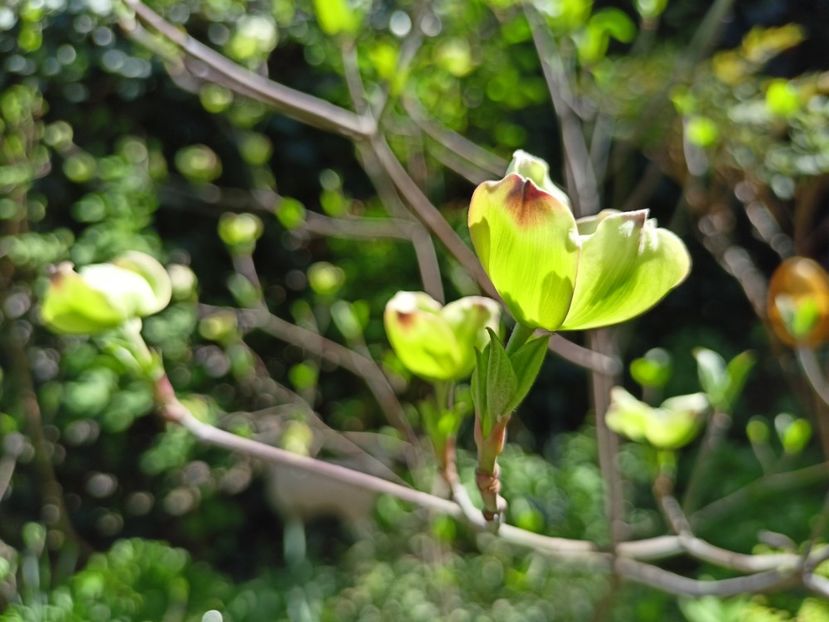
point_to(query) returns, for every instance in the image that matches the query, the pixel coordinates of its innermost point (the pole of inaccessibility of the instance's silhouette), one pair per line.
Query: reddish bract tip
(526, 202)
(405, 318)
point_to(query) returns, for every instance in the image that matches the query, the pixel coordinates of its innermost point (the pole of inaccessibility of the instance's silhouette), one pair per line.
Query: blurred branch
(608, 443)
(768, 485)
(482, 159)
(576, 550)
(295, 104)
(678, 585)
(715, 430)
(328, 116)
(814, 374)
(331, 351)
(7, 464)
(577, 155)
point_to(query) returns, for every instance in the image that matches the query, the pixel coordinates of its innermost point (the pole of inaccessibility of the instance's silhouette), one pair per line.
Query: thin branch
(484, 160)
(579, 163)
(7, 465)
(333, 352)
(715, 431)
(577, 550)
(678, 585)
(172, 410)
(291, 103)
(607, 440)
(295, 104)
(814, 374)
(775, 483)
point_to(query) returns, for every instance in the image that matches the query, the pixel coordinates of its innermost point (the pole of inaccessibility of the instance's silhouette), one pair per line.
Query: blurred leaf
(336, 17)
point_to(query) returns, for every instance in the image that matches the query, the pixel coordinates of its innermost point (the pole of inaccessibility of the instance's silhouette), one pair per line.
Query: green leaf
(713, 377)
(626, 266)
(336, 16)
(737, 371)
(501, 383)
(526, 241)
(478, 383)
(526, 363)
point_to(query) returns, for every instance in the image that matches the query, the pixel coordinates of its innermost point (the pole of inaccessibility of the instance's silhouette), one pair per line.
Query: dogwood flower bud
(557, 273)
(102, 297)
(436, 342)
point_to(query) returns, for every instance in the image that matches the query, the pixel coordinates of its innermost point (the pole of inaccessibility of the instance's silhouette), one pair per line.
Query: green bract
(104, 296)
(435, 342)
(557, 273)
(672, 425)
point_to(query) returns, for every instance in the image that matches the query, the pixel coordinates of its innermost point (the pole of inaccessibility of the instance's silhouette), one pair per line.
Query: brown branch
(576, 550)
(295, 104)
(331, 351)
(291, 103)
(678, 585)
(579, 164)
(774, 483)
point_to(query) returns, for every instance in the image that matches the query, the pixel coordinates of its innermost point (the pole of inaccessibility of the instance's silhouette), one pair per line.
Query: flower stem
(520, 334)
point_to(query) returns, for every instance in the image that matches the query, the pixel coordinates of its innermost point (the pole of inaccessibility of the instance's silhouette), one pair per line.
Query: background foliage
(109, 515)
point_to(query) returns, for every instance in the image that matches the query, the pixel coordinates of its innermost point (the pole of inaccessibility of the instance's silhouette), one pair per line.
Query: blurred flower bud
(798, 304)
(757, 431)
(557, 273)
(325, 279)
(435, 342)
(674, 424)
(101, 297)
(183, 280)
(151, 271)
(220, 326)
(198, 163)
(239, 232)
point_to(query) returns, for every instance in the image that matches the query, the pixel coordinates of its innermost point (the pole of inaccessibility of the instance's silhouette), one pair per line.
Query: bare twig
(775, 483)
(7, 465)
(295, 104)
(291, 102)
(672, 583)
(608, 442)
(576, 550)
(579, 163)
(714, 433)
(814, 374)
(333, 352)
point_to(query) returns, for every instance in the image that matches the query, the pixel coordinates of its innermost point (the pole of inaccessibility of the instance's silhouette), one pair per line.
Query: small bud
(100, 297)
(154, 273)
(798, 305)
(184, 282)
(325, 279)
(435, 342)
(240, 232)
